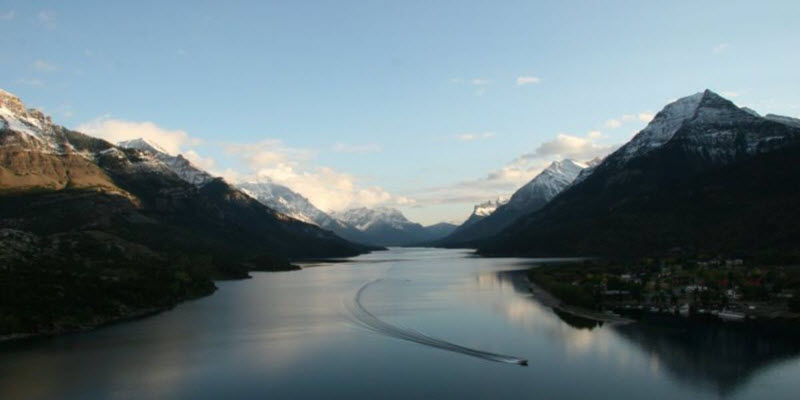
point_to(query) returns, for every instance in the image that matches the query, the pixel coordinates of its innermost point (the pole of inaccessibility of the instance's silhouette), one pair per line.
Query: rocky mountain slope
(79, 207)
(527, 199)
(705, 177)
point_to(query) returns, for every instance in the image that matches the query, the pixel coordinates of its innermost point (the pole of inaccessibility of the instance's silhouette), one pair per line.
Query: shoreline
(548, 300)
(20, 337)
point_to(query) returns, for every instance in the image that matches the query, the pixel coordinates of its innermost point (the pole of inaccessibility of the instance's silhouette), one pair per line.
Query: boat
(727, 315)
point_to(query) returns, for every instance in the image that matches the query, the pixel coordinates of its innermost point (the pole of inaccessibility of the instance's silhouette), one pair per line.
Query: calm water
(293, 335)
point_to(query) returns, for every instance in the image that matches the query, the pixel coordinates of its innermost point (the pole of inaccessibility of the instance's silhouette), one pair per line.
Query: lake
(431, 318)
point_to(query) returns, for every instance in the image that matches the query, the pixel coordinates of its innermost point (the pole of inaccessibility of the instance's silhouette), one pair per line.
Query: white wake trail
(369, 321)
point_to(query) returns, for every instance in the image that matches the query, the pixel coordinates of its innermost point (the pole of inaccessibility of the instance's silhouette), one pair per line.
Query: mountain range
(705, 177)
(118, 230)
(380, 226)
(385, 226)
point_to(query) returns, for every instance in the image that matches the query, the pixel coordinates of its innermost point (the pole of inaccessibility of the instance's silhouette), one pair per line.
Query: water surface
(294, 335)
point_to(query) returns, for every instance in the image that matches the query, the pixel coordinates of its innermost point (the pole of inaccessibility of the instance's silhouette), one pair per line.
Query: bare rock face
(37, 155)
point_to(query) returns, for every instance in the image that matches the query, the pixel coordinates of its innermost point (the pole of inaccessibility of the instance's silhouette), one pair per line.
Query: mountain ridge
(670, 189)
(528, 198)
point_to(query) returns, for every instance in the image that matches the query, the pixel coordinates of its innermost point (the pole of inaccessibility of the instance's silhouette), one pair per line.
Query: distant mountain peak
(177, 164)
(702, 107)
(286, 201)
(664, 125)
(565, 166)
(28, 121)
(551, 181)
(144, 145)
(362, 218)
(11, 102)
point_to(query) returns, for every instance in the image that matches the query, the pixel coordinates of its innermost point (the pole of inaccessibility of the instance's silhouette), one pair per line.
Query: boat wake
(367, 320)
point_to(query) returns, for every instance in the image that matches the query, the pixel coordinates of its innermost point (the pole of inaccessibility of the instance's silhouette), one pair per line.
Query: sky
(427, 106)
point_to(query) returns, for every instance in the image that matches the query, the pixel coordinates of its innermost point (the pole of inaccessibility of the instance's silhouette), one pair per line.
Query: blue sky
(431, 106)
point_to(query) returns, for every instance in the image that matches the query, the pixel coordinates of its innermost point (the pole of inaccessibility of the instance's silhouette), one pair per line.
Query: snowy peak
(364, 218)
(550, 182)
(12, 103)
(177, 164)
(15, 117)
(663, 126)
(143, 145)
(562, 169)
(701, 108)
(283, 200)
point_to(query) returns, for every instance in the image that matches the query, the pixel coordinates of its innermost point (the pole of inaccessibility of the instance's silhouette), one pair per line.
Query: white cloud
(646, 116)
(44, 66)
(614, 123)
(268, 159)
(7, 15)
(356, 148)
(728, 93)
(31, 82)
(206, 163)
(510, 177)
(468, 137)
(325, 187)
(116, 130)
(479, 82)
(47, 18)
(569, 146)
(720, 48)
(527, 80)
(267, 153)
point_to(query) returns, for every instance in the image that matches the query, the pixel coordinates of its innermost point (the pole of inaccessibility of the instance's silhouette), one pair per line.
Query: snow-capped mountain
(286, 201)
(81, 182)
(710, 126)
(30, 127)
(363, 218)
(703, 177)
(380, 226)
(527, 199)
(662, 127)
(550, 182)
(387, 227)
(177, 164)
